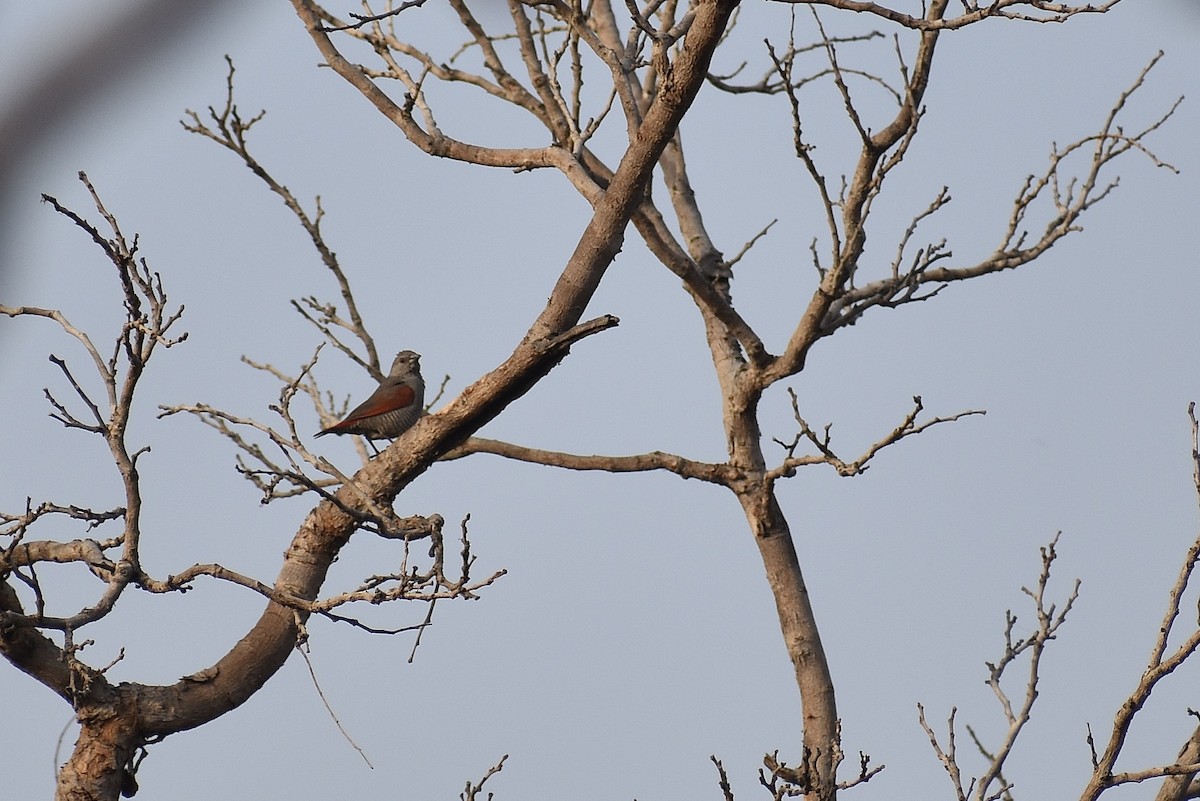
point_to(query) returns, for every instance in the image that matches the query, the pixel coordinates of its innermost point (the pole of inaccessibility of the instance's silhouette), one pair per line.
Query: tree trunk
(816, 773)
(99, 767)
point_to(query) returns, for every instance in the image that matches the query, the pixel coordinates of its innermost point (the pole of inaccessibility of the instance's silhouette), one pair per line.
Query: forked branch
(1164, 660)
(991, 783)
(1066, 198)
(147, 327)
(825, 452)
(973, 12)
(231, 131)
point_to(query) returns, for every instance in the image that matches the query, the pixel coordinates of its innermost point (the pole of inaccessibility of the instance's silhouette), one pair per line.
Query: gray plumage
(393, 407)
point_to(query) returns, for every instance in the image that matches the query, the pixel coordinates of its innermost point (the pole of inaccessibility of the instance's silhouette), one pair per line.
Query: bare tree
(545, 62)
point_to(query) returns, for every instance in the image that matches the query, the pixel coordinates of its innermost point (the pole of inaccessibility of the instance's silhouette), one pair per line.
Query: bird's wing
(384, 400)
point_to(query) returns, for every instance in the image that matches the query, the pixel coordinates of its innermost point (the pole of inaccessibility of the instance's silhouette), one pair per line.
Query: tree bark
(99, 768)
(116, 721)
(802, 639)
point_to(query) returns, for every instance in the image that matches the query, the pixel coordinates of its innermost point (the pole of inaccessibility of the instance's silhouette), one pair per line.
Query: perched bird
(393, 408)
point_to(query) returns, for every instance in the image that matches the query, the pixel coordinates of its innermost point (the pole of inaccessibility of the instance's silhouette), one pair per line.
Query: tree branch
(825, 453)
(655, 460)
(1026, 10)
(1160, 665)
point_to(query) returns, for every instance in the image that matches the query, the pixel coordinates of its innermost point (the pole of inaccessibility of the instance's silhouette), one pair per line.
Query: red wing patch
(382, 402)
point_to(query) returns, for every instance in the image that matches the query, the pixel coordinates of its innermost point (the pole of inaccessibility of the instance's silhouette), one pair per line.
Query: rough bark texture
(118, 720)
(801, 637)
(654, 91)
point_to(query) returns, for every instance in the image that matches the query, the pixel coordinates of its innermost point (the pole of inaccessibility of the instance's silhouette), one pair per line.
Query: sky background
(634, 634)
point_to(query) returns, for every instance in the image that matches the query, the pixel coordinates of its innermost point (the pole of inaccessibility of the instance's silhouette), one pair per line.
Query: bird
(392, 408)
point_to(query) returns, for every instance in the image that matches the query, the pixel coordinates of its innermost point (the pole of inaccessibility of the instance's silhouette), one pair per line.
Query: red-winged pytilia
(393, 407)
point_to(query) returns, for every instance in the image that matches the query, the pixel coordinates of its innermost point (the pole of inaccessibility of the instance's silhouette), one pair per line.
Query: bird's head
(407, 362)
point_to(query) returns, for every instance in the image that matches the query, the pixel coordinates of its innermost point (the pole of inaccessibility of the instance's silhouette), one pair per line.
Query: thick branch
(236, 676)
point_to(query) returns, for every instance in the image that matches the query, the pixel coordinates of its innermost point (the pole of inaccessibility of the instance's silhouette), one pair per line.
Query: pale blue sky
(634, 634)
